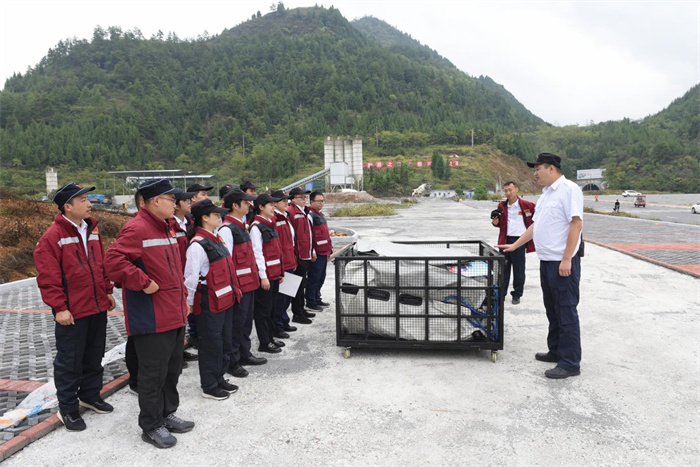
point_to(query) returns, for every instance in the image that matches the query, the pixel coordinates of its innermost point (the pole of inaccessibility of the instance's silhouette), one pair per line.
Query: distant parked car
(627, 193)
(695, 209)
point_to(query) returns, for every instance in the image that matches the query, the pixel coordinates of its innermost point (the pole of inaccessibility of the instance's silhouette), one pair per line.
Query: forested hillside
(257, 101)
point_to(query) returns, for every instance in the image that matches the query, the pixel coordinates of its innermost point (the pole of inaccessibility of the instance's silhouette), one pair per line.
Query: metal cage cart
(436, 299)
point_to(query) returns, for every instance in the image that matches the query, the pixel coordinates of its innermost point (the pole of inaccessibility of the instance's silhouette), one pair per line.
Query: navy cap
(298, 191)
(181, 194)
(153, 188)
(224, 189)
(69, 191)
(264, 199)
(546, 158)
(234, 195)
(248, 185)
(200, 208)
(281, 194)
(197, 187)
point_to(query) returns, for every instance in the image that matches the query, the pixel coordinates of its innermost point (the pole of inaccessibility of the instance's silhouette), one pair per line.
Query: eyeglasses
(172, 200)
(319, 201)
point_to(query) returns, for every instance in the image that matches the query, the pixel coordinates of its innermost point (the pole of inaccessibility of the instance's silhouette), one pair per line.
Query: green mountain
(259, 97)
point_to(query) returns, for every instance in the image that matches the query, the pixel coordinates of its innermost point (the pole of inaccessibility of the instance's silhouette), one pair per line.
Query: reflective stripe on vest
(180, 234)
(67, 241)
(226, 289)
(281, 223)
(299, 216)
(156, 242)
(322, 242)
(93, 237)
(240, 272)
(273, 262)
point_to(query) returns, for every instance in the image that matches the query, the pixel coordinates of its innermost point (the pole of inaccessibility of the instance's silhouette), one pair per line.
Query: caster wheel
(494, 356)
(346, 353)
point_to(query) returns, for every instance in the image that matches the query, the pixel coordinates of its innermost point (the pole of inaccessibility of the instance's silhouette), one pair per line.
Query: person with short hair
(250, 188)
(268, 257)
(323, 247)
(200, 191)
(556, 231)
(223, 190)
(237, 238)
(213, 292)
(305, 251)
(72, 281)
(513, 216)
(145, 260)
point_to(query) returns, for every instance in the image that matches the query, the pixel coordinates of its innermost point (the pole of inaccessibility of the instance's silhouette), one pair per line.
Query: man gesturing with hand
(145, 259)
(556, 231)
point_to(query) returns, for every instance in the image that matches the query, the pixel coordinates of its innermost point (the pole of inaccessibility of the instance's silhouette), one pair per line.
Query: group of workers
(182, 262)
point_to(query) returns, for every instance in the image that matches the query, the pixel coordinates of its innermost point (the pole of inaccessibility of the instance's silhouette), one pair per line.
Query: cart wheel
(494, 356)
(346, 352)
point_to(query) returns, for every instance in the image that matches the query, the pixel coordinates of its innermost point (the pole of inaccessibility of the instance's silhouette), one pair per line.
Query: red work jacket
(527, 210)
(243, 255)
(221, 290)
(321, 235)
(272, 251)
(289, 257)
(302, 231)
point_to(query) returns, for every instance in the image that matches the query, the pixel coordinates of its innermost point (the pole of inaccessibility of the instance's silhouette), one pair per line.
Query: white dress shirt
(559, 204)
(82, 230)
(256, 240)
(516, 224)
(197, 264)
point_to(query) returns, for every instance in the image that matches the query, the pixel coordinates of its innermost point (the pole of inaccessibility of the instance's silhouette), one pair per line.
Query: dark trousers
(515, 260)
(265, 301)
(241, 327)
(302, 270)
(77, 368)
(561, 295)
(214, 345)
(280, 318)
(317, 276)
(192, 325)
(132, 361)
(160, 365)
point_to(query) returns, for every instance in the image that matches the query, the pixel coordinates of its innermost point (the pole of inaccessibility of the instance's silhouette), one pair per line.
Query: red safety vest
(322, 237)
(181, 237)
(289, 257)
(302, 232)
(272, 251)
(221, 290)
(243, 255)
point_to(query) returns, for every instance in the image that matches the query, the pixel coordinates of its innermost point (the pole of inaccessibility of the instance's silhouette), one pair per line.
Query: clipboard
(290, 284)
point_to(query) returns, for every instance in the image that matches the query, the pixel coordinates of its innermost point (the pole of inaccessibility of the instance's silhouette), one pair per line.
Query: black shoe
(269, 348)
(184, 364)
(289, 328)
(237, 370)
(281, 335)
(98, 406)
(253, 360)
(192, 341)
(278, 343)
(72, 421)
(228, 387)
(217, 394)
(308, 314)
(324, 304)
(301, 320)
(175, 424)
(546, 357)
(516, 300)
(160, 438)
(189, 357)
(314, 307)
(560, 373)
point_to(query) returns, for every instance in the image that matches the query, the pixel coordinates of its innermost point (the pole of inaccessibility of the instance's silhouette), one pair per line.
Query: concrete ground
(636, 401)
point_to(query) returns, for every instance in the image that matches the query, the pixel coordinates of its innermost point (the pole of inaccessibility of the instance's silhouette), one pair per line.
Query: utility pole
(244, 145)
(472, 136)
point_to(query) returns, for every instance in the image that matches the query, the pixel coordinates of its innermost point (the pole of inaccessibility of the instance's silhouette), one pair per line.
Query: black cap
(223, 190)
(247, 185)
(265, 199)
(197, 187)
(206, 206)
(234, 195)
(546, 158)
(298, 191)
(180, 194)
(153, 188)
(281, 194)
(69, 191)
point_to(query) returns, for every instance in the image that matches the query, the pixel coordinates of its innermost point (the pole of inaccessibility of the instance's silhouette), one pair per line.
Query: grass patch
(368, 210)
(404, 205)
(609, 213)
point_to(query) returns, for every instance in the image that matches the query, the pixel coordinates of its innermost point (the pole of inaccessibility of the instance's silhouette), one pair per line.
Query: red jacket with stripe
(68, 278)
(146, 250)
(527, 211)
(321, 235)
(289, 257)
(302, 232)
(181, 237)
(243, 255)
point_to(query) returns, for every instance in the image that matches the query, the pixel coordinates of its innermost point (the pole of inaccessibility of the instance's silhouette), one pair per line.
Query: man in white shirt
(556, 231)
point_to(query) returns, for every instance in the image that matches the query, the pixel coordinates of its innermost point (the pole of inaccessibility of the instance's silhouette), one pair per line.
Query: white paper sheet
(290, 284)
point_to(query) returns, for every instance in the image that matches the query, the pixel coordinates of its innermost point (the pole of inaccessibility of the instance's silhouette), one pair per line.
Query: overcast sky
(568, 62)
